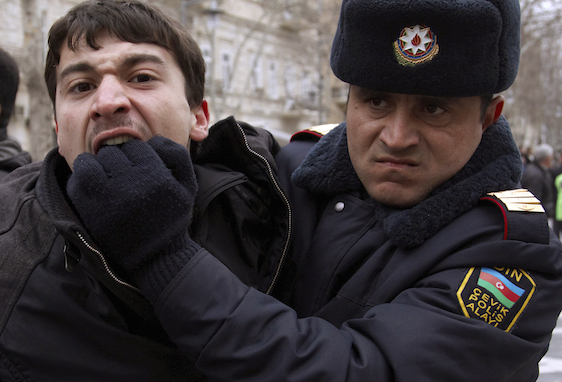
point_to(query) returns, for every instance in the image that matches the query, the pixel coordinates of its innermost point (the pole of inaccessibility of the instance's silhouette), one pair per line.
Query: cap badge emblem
(415, 45)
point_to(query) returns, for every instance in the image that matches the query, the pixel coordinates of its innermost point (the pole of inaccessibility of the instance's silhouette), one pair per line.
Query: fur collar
(495, 166)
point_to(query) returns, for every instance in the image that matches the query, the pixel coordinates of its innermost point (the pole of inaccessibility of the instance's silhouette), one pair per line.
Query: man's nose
(399, 131)
(110, 98)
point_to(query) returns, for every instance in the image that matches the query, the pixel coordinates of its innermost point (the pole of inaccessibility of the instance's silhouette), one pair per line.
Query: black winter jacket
(65, 315)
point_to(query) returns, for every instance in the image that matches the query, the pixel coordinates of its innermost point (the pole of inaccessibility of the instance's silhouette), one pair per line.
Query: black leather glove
(136, 202)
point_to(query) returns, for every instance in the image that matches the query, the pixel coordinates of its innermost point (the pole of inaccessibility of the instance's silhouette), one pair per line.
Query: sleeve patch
(496, 296)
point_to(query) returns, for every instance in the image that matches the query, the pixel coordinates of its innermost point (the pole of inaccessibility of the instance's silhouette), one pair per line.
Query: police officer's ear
(493, 112)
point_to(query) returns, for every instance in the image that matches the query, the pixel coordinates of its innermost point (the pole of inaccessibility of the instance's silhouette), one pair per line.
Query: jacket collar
(495, 166)
(50, 193)
(229, 144)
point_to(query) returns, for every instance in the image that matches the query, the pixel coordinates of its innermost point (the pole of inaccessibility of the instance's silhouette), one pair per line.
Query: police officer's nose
(399, 131)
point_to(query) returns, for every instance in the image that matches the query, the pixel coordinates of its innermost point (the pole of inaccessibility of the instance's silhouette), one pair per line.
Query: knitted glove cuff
(155, 276)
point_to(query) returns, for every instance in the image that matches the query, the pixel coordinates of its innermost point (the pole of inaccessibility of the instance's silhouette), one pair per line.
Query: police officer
(414, 256)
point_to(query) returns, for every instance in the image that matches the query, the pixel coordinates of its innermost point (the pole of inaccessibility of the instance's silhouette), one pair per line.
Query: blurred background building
(267, 62)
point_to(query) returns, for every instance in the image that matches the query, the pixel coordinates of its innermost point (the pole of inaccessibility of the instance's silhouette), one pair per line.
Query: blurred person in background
(556, 171)
(537, 177)
(11, 154)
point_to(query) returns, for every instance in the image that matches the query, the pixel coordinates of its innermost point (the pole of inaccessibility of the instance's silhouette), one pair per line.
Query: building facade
(267, 61)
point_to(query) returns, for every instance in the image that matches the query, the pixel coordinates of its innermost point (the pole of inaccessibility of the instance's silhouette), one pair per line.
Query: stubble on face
(102, 125)
(404, 146)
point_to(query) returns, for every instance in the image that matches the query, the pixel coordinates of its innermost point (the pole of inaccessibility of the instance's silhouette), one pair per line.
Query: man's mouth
(396, 162)
(113, 137)
(117, 140)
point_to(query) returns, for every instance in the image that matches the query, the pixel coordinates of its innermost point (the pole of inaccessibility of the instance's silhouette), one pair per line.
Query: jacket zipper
(105, 264)
(287, 204)
(287, 238)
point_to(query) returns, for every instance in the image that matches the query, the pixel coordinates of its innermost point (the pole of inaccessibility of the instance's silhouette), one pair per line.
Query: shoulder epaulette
(519, 200)
(314, 132)
(524, 216)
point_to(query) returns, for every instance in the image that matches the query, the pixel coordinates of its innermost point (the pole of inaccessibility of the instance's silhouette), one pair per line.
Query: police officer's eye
(433, 109)
(377, 102)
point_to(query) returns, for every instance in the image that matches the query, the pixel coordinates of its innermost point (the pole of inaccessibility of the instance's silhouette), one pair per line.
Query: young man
(414, 257)
(11, 154)
(124, 78)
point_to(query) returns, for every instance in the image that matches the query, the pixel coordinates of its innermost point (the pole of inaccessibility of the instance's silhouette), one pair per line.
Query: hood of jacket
(229, 141)
(231, 150)
(241, 214)
(495, 166)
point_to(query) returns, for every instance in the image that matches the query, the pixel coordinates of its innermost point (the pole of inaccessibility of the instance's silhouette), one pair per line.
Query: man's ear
(493, 112)
(200, 126)
(57, 131)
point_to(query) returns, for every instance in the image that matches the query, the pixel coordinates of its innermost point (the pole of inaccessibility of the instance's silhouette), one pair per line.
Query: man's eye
(142, 78)
(377, 102)
(432, 109)
(82, 87)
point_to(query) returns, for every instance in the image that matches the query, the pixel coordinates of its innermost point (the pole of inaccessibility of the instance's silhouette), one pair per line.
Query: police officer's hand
(136, 201)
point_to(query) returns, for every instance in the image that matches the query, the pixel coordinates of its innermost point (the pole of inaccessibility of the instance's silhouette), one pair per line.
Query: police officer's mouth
(396, 163)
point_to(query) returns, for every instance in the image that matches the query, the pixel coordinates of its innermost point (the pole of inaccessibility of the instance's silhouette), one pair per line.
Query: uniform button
(339, 206)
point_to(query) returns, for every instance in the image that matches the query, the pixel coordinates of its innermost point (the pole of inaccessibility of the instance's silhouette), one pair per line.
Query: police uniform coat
(465, 286)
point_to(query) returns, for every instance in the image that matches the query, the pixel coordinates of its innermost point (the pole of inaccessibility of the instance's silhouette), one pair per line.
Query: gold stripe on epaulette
(323, 129)
(519, 200)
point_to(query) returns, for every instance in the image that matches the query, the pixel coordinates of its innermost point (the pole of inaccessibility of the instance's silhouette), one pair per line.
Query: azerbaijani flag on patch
(504, 290)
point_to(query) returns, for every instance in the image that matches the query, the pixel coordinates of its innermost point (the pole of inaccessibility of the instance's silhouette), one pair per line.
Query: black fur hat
(452, 48)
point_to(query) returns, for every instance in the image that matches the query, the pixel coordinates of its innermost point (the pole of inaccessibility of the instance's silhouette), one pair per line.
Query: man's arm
(239, 334)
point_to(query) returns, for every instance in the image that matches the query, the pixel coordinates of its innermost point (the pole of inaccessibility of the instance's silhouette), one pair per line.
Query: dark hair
(10, 79)
(131, 21)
